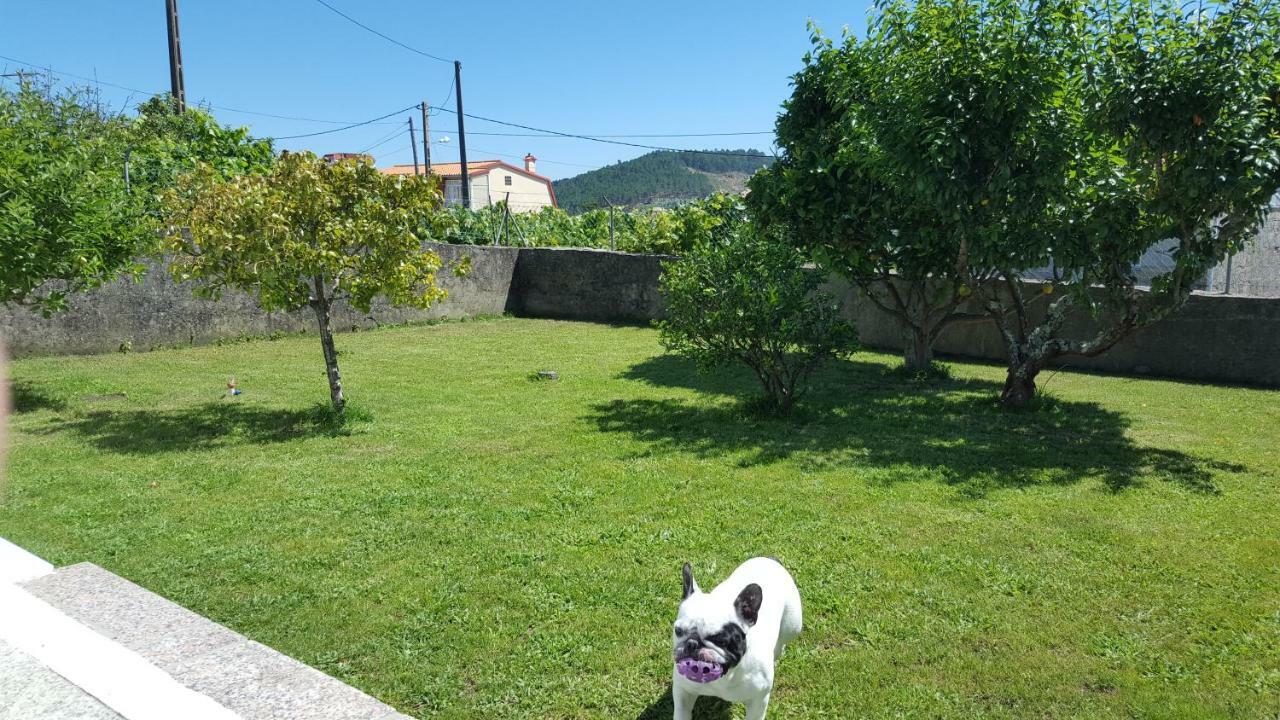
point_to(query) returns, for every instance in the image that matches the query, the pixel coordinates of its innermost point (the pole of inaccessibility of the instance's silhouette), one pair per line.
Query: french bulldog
(725, 642)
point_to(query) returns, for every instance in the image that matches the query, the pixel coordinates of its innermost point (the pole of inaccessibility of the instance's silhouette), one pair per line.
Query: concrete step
(29, 690)
(246, 677)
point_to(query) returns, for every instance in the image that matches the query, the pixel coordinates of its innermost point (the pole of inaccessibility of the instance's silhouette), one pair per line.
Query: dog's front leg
(683, 702)
(756, 709)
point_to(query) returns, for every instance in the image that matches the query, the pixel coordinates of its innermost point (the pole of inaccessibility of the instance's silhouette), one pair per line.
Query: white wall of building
(526, 193)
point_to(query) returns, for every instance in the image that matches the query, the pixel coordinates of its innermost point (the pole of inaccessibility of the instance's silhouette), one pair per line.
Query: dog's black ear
(690, 585)
(748, 603)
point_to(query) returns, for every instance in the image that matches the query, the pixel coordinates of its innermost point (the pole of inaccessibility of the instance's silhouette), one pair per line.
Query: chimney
(530, 163)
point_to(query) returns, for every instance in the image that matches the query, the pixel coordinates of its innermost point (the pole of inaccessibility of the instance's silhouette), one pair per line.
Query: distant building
(492, 181)
(335, 157)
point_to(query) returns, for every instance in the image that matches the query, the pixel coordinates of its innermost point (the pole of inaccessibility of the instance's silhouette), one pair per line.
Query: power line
(96, 81)
(520, 157)
(288, 117)
(448, 96)
(602, 138)
(402, 151)
(346, 127)
(382, 141)
(605, 135)
(384, 36)
(607, 140)
(86, 78)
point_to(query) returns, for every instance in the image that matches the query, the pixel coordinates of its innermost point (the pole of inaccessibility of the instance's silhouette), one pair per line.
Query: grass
(489, 545)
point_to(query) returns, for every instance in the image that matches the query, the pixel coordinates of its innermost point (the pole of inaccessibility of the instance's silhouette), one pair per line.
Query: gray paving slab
(257, 682)
(31, 691)
(246, 677)
(161, 631)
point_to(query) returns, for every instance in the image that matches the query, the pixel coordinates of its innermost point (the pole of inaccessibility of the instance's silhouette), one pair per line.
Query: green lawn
(492, 546)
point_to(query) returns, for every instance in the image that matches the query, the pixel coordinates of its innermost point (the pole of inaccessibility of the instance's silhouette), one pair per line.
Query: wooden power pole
(178, 88)
(462, 136)
(426, 141)
(413, 145)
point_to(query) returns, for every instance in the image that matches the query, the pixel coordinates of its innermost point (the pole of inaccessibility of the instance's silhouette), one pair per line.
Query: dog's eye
(682, 631)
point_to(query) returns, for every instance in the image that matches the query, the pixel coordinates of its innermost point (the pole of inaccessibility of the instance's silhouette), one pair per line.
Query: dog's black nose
(691, 647)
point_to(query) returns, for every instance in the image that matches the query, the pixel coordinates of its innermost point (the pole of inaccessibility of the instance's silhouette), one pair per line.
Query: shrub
(744, 296)
(649, 230)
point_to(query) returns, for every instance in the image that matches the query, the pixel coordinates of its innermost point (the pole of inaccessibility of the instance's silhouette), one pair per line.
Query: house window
(453, 193)
(506, 180)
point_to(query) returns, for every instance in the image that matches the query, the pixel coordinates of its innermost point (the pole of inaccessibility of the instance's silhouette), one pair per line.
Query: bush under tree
(745, 297)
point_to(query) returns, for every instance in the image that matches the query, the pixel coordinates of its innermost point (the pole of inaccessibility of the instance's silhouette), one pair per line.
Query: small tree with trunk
(1176, 136)
(309, 233)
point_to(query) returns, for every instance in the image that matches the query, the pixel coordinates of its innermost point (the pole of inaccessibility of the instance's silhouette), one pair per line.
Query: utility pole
(612, 245)
(462, 136)
(179, 90)
(426, 140)
(413, 145)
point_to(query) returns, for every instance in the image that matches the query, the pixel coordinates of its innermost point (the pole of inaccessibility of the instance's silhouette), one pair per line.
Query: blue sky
(583, 67)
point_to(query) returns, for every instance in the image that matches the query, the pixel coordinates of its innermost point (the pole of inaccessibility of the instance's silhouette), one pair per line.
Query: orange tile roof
(474, 167)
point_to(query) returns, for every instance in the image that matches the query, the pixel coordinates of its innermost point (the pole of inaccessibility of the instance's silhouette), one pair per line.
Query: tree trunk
(917, 350)
(1019, 384)
(320, 303)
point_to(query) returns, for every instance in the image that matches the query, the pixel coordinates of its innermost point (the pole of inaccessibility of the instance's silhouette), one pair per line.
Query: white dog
(726, 642)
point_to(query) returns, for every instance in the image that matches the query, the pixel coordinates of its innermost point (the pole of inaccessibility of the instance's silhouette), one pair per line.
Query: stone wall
(584, 284)
(1214, 337)
(157, 312)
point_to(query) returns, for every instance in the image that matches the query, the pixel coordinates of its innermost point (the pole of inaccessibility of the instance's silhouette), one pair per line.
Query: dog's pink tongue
(706, 655)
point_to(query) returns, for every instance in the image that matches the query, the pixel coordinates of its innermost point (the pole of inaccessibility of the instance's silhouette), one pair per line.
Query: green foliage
(65, 214)
(80, 187)
(652, 230)
(657, 178)
(306, 234)
(166, 144)
(746, 297)
(924, 153)
(272, 235)
(968, 141)
(1177, 137)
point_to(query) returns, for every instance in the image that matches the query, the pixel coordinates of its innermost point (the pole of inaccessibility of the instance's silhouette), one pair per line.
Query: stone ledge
(246, 677)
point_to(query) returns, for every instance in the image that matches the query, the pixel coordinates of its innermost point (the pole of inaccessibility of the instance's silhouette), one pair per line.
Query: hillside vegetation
(660, 179)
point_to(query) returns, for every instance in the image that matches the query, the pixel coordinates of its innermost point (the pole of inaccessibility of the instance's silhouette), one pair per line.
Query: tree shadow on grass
(30, 397)
(707, 708)
(861, 414)
(207, 426)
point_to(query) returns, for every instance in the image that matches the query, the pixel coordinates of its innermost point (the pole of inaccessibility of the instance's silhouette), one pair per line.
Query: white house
(492, 181)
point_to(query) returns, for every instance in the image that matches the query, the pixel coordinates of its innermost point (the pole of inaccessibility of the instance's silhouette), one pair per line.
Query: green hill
(660, 178)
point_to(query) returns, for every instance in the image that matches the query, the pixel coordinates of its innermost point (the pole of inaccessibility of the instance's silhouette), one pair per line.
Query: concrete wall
(157, 312)
(1214, 337)
(585, 284)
